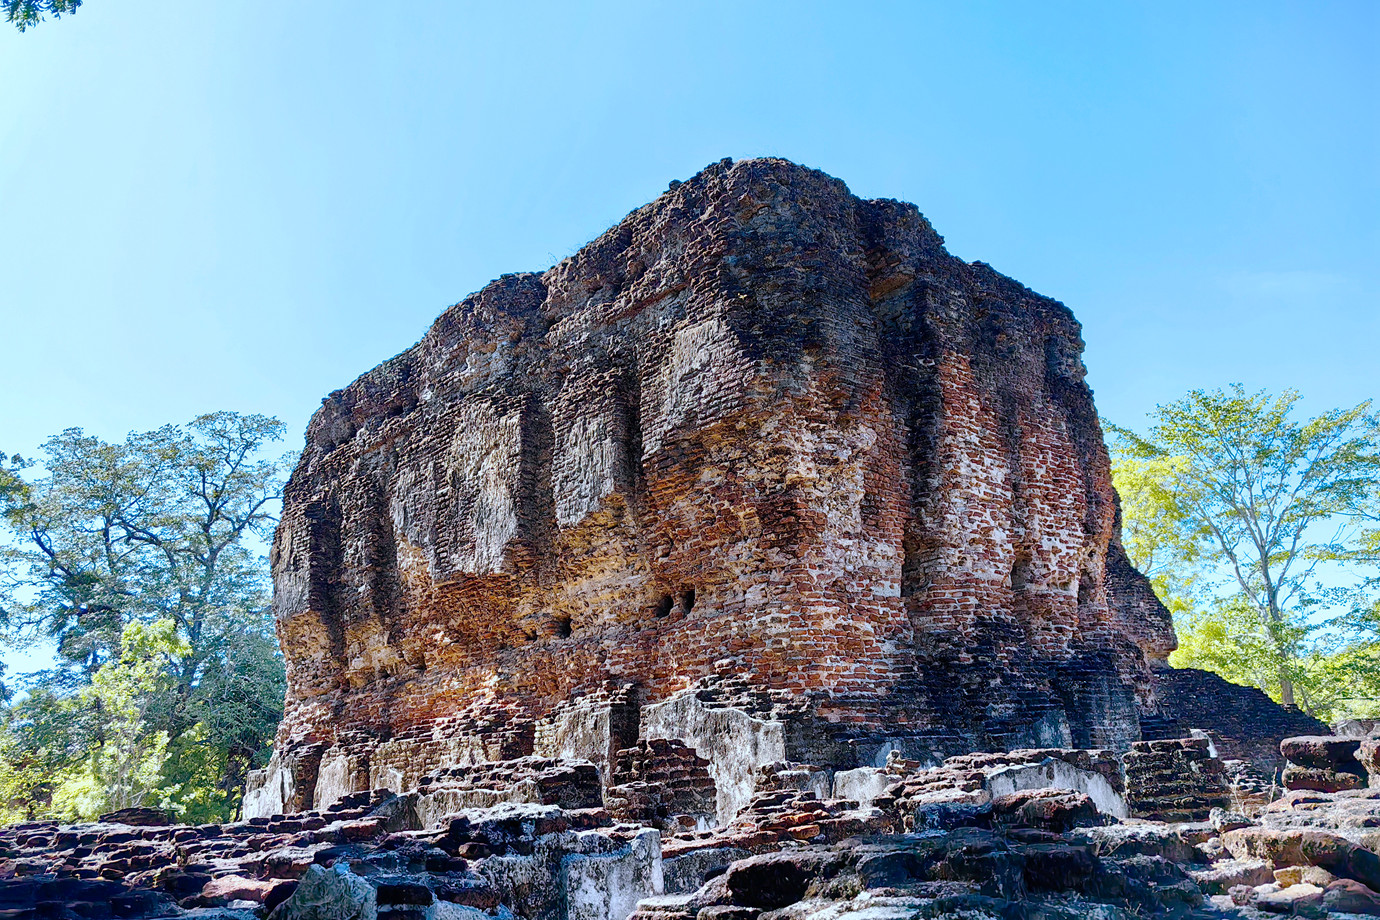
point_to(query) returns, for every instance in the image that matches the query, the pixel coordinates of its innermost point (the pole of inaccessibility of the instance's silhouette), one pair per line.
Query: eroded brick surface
(1175, 780)
(763, 439)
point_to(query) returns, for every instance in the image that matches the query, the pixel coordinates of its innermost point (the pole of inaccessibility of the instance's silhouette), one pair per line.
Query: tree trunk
(232, 781)
(1284, 654)
(1286, 689)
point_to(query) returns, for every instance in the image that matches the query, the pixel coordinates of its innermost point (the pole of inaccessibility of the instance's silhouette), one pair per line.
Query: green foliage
(125, 768)
(46, 736)
(1226, 635)
(17, 784)
(237, 707)
(135, 558)
(26, 13)
(1231, 505)
(1343, 671)
(13, 493)
(196, 770)
(12, 486)
(1153, 531)
(151, 528)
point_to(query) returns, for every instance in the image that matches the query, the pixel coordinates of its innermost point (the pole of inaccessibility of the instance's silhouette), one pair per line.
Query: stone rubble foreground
(1165, 830)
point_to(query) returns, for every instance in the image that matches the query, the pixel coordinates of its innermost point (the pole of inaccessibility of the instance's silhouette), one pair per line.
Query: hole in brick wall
(563, 627)
(687, 600)
(1020, 572)
(1085, 590)
(665, 605)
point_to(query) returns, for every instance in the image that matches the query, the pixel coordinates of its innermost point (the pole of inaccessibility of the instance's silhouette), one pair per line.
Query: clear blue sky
(245, 205)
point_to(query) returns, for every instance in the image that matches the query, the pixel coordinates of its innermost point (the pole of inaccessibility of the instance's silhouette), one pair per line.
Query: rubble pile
(1175, 780)
(1036, 833)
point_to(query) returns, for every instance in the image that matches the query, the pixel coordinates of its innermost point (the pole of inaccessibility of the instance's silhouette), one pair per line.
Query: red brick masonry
(763, 439)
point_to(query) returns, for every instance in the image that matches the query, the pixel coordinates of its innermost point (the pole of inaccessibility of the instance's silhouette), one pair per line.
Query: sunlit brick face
(762, 435)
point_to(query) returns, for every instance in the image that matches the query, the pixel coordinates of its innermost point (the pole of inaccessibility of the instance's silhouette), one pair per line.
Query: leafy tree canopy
(138, 560)
(1235, 509)
(12, 488)
(26, 13)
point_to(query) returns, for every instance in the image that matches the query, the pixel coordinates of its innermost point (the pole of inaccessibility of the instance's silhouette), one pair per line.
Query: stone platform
(1038, 833)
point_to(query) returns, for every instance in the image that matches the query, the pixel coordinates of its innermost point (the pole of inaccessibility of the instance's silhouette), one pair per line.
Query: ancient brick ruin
(759, 562)
(763, 470)
(1164, 830)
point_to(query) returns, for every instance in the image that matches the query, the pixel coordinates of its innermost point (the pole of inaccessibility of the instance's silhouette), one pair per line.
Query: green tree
(124, 768)
(12, 487)
(159, 527)
(44, 735)
(237, 707)
(1153, 531)
(1345, 671)
(1265, 498)
(26, 13)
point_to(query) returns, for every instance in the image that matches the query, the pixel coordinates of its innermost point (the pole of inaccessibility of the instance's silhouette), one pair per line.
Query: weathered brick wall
(1174, 780)
(1243, 722)
(662, 780)
(760, 430)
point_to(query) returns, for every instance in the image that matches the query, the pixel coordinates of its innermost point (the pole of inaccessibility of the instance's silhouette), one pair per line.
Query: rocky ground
(981, 836)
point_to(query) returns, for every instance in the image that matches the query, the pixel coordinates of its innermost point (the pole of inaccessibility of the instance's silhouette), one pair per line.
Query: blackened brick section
(1174, 780)
(1243, 722)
